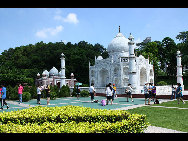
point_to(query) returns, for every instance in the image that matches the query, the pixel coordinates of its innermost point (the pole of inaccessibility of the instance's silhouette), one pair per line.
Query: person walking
(153, 92)
(20, 91)
(146, 94)
(128, 91)
(47, 89)
(78, 91)
(39, 89)
(92, 92)
(179, 93)
(114, 92)
(173, 92)
(3, 97)
(109, 91)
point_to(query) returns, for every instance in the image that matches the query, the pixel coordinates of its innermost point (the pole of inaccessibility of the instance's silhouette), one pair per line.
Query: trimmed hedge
(71, 119)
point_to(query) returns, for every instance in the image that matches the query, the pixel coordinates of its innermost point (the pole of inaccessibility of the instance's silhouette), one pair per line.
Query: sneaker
(7, 106)
(1, 108)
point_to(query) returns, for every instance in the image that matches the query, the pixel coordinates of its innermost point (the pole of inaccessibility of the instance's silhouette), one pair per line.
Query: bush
(71, 119)
(64, 91)
(53, 95)
(84, 93)
(26, 96)
(12, 92)
(161, 83)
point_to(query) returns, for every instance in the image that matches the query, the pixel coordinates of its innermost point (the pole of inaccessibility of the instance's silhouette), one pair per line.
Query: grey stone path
(21, 104)
(154, 129)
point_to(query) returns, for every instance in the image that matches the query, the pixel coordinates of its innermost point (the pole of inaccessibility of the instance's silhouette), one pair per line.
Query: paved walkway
(119, 103)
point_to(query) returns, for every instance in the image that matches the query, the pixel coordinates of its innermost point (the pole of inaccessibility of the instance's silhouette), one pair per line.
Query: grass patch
(171, 118)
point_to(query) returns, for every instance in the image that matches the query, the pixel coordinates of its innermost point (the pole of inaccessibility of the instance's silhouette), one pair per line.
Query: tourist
(39, 89)
(109, 91)
(179, 93)
(78, 91)
(47, 89)
(92, 92)
(173, 92)
(114, 92)
(3, 97)
(128, 91)
(20, 91)
(153, 92)
(146, 94)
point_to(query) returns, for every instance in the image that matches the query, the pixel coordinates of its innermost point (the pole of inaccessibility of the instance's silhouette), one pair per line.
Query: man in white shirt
(92, 92)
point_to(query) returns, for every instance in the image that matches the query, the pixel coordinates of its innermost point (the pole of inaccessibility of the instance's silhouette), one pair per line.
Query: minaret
(179, 69)
(62, 77)
(132, 64)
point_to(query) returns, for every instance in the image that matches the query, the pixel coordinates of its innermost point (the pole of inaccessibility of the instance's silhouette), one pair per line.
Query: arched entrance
(143, 76)
(103, 77)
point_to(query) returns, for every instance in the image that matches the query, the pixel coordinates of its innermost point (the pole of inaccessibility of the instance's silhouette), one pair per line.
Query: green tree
(183, 46)
(170, 49)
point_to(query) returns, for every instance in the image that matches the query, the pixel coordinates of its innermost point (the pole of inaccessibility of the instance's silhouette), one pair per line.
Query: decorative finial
(119, 29)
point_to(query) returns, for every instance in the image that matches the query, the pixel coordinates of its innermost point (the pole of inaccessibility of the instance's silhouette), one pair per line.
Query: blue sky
(23, 26)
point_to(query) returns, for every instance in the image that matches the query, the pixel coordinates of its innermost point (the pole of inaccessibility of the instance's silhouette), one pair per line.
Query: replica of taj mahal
(122, 67)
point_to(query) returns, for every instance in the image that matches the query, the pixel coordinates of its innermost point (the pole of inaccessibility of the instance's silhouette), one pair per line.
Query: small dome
(53, 71)
(99, 58)
(118, 44)
(45, 73)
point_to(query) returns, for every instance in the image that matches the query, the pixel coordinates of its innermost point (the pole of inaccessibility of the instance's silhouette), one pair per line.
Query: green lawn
(171, 118)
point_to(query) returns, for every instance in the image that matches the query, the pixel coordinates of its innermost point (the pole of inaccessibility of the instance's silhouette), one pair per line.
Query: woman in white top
(109, 91)
(128, 91)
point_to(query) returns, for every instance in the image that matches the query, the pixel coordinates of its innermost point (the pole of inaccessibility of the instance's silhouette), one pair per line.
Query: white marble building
(122, 67)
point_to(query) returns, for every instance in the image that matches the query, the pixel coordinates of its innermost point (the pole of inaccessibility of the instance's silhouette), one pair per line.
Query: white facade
(179, 69)
(122, 67)
(53, 77)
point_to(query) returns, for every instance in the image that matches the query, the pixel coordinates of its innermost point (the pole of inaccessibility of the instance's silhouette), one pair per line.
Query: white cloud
(44, 33)
(71, 18)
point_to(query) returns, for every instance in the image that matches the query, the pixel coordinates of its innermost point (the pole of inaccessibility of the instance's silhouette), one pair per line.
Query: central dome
(118, 44)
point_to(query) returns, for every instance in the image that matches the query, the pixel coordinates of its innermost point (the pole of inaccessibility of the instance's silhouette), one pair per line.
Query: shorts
(179, 95)
(146, 95)
(48, 95)
(109, 97)
(129, 93)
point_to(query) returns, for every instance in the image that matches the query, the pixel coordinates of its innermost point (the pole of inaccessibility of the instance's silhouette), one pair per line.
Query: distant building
(53, 77)
(148, 39)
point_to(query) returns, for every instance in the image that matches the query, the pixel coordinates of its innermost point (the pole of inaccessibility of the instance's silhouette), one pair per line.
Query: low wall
(163, 92)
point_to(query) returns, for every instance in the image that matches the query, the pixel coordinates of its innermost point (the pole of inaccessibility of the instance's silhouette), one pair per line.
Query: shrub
(64, 91)
(84, 93)
(161, 83)
(53, 95)
(71, 119)
(12, 92)
(26, 96)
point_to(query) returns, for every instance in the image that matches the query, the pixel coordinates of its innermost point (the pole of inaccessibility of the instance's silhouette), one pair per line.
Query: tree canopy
(21, 64)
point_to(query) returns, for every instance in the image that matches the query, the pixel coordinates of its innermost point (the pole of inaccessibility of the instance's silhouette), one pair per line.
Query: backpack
(103, 102)
(156, 102)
